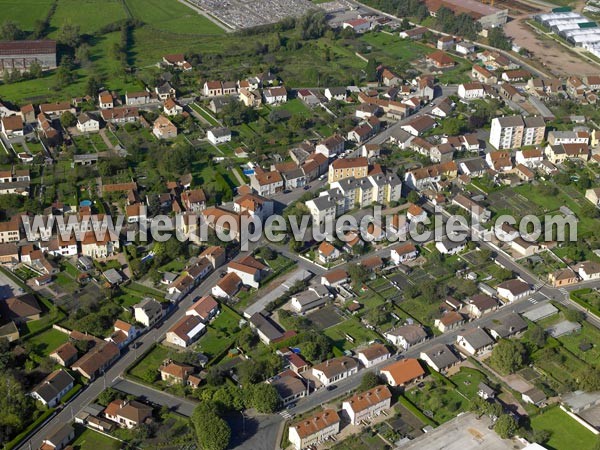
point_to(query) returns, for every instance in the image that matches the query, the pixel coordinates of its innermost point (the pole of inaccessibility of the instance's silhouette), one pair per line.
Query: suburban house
(327, 252)
(248, 269)
(123, 333)
(266, 183)
(219, 135)
(507, 326)
(12, 126)
(148, 312)
(275, 95)
(419, 125)
(314, 430)
(480, 304)
(450, 247)
(563, 277)
(186, 331)
(406, 336)
(512, 290)
(87, 124)
(54, 387)
(97, 360)
(449, 321)
(593, 195)
(403, 253)
(163, 128)
(403, 372)
(65, 355)
(171, 107)
(128, 414)
(336, 369)
(266, 329)
(175, 373)
(227, 286)
(20, 309)
(205, 308)
(314, 297)
(366, 405)
(373, 355)
(474, 341)
(59, 438)
(289, 386)
(588, 270)
(440, 358)
(335, 278)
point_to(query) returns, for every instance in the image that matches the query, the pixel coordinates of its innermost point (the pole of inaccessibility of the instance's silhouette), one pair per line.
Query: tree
(508, 356)
(69, 35)
(212, 432)
(369, 381)
(540, 436)
(413, 197)
(574, 315)
(15, 405)
(506, 426)
(264, 398)
(537, 336)
(35, 70)
(358, 274)
(68, 120)
(10, 31)
(589, 380)
(498, 39)
(371, 70)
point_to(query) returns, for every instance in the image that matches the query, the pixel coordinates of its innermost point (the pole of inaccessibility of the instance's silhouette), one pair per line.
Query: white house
(87, 124)
(248, 269)
(373, 355)
(406, 336)
(589, 270)
(512, 290)
(403, 253)
(148, 312)
(472, 90)
(54, 387)
(219, 135)
(275, 95)
(368, 404)
(450, 247)
(474, 342)
(186, 331)
(336, 369)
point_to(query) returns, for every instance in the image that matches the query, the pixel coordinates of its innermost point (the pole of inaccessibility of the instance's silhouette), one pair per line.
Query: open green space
(89, 15)
(566, 433)
(220, 334)
(151, 361)
(353, 328)
(48, 341)
(87, 439)
(172, 16)
(25, 12)
(438, 399)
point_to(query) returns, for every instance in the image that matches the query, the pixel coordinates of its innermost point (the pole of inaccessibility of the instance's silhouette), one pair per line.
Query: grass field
(86, 439)
(48, 341)
(566, 432)
(87, 14)
(151, 361)
(172, 16)
(25, 12)
(220, 333)
(355, 329)
(441, 400)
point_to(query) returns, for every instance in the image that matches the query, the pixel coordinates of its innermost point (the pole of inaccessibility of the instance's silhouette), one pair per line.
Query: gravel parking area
(467, 433)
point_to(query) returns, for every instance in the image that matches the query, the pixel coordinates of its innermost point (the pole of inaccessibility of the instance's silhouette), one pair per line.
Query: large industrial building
(19, 55)
(575, 28)
(487, 15)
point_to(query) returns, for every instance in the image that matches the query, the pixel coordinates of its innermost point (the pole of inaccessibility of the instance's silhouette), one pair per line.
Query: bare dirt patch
(550, 55)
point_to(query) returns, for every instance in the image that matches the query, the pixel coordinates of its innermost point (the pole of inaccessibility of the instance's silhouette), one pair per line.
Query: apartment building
(515, 131)
(346, 168)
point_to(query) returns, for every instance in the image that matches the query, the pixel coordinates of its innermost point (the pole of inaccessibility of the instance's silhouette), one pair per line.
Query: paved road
(180, 405)
(116, 372)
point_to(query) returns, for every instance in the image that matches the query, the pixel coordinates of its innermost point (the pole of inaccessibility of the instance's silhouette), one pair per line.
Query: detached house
(403, 253)
(266, 183)
(164, 129)
(227, 286)
(186, 331)
(327, 252)
(474, 342)
(87, 124)
(248, 269)
(128, 414)
(373, 355)
(54, 387)
(403, 372)
(512, 290)
(148, 312)
(275, 95)
(336, 369)
(440, 358)
(406, 336)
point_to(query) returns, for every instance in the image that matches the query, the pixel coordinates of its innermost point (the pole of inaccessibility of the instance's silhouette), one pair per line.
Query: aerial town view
(300, 224)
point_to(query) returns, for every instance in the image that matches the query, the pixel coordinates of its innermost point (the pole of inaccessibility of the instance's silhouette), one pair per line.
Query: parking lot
(467, 433)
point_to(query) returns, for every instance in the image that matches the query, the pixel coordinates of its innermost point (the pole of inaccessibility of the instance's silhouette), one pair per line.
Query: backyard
(566, 433)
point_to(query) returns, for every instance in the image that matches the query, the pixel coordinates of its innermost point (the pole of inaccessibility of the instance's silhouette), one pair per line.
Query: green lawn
(89, 15)
(48, 341)
(296, 106)
(172, 16)
(439, 399)
(587, 335)
(566, 432)
(220, 334)
(467, 381)
(151, 361)
(86, 439)
(25, 12)
(361, 335)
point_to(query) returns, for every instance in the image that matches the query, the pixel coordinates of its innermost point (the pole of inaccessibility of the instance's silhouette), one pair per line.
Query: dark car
(331, 387)
(307, 187)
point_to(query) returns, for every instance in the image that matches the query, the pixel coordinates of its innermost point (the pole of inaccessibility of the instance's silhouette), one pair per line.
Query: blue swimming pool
(85, 203)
